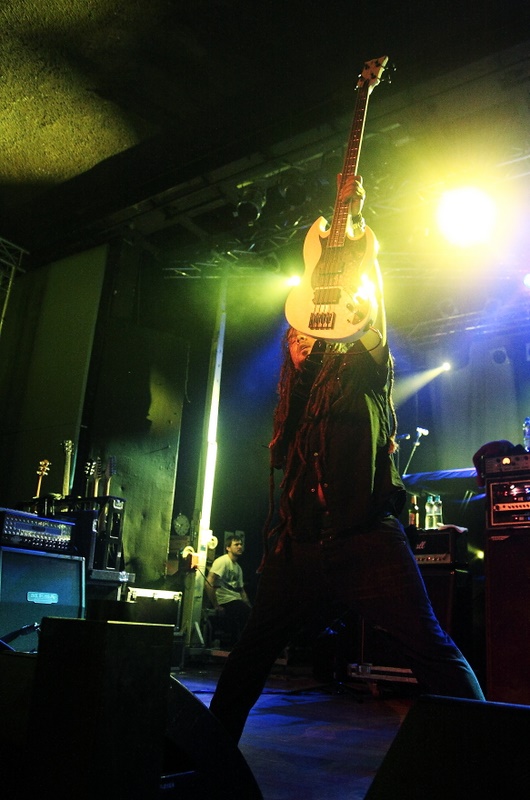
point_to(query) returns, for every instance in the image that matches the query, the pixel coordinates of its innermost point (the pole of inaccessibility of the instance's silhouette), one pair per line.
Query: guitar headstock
(372, 72)
(44, 467)
(110, 469)
(90, 468)
(68, 447)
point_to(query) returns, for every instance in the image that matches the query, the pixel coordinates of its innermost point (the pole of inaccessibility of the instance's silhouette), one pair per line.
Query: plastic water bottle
(526, 434)
(429, 512)
(438, 518)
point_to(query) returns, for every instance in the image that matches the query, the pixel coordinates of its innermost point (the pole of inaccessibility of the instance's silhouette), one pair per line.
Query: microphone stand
(415, 445)
(399, 438)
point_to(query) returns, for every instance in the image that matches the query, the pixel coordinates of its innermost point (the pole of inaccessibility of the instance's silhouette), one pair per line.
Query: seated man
(226, 591)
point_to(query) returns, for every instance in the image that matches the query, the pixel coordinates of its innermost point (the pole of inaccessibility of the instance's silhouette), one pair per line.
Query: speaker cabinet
(197, 751)
(99, 715)
(453, 749)
(450, 592)
(508, 615)
(98, 712)
(34, 585)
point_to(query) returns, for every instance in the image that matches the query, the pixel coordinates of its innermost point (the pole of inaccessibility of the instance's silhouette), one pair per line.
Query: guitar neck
(68, 447)
(98, 475)
(337, 233)
(109, 472)
(66, 475)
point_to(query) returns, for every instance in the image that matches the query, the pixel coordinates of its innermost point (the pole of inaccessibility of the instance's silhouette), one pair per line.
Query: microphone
(422, 431)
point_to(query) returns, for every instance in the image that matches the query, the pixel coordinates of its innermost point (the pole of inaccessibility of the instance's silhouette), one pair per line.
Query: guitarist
(338, 543)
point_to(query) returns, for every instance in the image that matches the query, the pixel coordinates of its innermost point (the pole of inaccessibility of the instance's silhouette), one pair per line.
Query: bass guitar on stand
(337, 299)
(42, 471)
(68, 447)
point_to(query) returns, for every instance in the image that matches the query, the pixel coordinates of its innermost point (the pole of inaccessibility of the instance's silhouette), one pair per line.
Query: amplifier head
(508, 502)
(446, 545)
(507, 465)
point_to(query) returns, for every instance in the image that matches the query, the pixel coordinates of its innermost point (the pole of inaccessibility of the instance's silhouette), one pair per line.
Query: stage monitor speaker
(34, 585)
(197, 752)
(508, 615)
(121, 725)
(453, 749)
(100, 696)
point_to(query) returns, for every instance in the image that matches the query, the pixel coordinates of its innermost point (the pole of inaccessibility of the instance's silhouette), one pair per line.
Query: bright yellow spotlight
(476, 553)
(446, 366)
(293, 280)
(466, 216)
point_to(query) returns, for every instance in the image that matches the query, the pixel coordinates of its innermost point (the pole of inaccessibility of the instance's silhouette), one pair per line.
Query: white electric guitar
(337, 299)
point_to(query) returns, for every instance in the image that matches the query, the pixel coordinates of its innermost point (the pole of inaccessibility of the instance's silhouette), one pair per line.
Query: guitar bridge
(322, 320)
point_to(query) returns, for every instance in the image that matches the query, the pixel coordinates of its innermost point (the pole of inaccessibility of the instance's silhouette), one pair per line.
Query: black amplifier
(21, 529)
(508, 503)
(445, 546)
(507, 465)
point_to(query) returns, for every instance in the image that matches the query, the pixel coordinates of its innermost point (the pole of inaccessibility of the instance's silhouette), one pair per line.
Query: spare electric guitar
(44, 469)
(337, 297)
(110, 470)
(98, 475)
(90, 468)
(68, 447)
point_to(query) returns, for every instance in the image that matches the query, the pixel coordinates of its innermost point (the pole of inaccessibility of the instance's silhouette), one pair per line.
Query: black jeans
(373, 573)
(234, 617)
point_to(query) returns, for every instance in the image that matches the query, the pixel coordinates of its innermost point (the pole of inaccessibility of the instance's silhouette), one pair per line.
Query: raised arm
(375, 339)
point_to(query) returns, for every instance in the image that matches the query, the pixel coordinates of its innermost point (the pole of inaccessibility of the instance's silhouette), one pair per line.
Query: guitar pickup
(322, 320)
(327, 295)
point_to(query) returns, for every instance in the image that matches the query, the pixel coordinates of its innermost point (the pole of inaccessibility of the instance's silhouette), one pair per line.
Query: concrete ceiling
(149, 116)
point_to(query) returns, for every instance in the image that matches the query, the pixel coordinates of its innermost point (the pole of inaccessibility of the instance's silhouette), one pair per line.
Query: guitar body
(336, 298)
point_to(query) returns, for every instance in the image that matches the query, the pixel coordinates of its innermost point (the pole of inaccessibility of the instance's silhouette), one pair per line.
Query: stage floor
(309, 740)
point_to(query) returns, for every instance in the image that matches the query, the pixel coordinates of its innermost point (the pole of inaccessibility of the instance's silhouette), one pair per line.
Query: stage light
(294, 192)
(446, 366)
(499, 355)
(475, 553)
(466, 216)
(251, 204)
(293, 280)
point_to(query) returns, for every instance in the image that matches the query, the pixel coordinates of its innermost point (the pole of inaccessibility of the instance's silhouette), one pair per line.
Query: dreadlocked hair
(323, 394)
(287, 379)
(324, 388)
